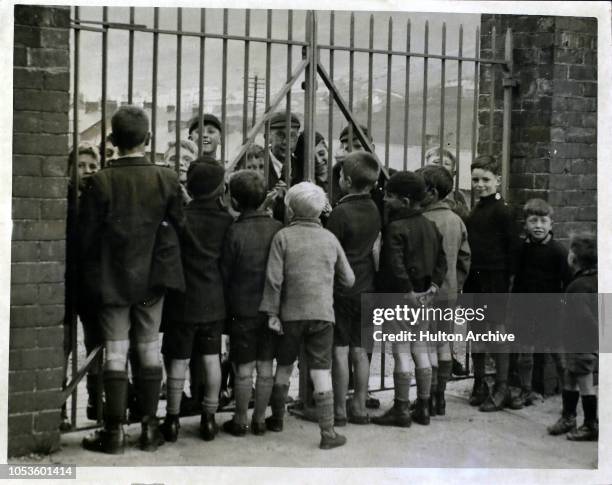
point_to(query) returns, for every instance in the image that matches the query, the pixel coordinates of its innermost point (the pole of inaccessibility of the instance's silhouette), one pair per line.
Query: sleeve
(90, 220)
(510, 230)
(227, 257)
(335, 225)
(393, 254)
(343, 270)
(270, 302)
(175, 213)
(441, 267)
(565, 271)
(463, 258)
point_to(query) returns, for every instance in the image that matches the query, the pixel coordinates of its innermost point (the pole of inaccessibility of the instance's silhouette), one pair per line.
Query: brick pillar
(40, 149)
(554, 119)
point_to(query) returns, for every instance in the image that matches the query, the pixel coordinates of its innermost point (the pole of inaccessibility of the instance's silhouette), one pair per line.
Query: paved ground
(463, 438)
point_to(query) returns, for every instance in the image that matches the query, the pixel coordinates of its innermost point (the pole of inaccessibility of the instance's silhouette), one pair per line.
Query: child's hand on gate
(275, 324)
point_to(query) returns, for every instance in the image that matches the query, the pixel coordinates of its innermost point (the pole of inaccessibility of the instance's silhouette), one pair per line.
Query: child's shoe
(398, 415)
(258, 429)
(589, 431)
(440, 403)
(372, 402)
(564, 424)
(233, 428)
(170, 427)
(330, 439)
(151, 436)
(498, 400)
(458, 369)
(208, 427)
(529, 397)
(433, 404)
(274, 424)
(110, 439)
(421, 412)
(479, 392)
(340, 421)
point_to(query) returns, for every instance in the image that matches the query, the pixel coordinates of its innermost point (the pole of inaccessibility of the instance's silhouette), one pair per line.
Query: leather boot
(398, 415)
(498, 400)
(589, 431)
(110, 439)
(170, 427)
(208, 427)
(151, 436)
(479, 392)
(433, 403)
(421, 413)
(440, 403)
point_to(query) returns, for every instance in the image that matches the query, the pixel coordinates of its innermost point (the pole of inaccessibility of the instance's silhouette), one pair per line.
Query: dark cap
(278, 121)
(344, 133)
(207, 119)
(204, 177)
(407, 184)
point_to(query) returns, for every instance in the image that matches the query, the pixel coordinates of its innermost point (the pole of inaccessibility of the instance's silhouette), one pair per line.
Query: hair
(435, 153)
(248, 188)
(584, 247)
(437, 177)
(487, 162)
(188, 145)
(362, 168)
(306, 200)
(537, 207)
(130, 126)
(84, 147)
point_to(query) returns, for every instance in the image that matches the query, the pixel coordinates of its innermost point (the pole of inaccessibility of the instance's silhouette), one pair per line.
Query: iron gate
(306, 66)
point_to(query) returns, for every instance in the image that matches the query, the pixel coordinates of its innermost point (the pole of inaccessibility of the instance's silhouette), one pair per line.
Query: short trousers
(140, 322)
(582, 364)
(318, 339)
(251, 340)
(347, 329)
(181, 338)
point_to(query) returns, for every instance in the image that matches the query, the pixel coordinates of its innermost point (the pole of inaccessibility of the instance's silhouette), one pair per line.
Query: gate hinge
(509, 82)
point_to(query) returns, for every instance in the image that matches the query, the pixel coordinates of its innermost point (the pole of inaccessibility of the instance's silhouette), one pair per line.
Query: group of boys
(275, 288)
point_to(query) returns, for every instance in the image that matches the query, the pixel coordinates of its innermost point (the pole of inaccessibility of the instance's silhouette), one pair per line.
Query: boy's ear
(147, 139)
(498, 180)
(235, 204)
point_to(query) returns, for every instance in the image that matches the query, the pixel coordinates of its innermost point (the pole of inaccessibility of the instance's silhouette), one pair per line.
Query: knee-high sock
(423, 379)
(115, 389)
(242, 392)
(263, 390)
(324, 402)
(401, 382)
(149, 385)
(174, 393)
(479, 364)
(444, 373)
(277, 399)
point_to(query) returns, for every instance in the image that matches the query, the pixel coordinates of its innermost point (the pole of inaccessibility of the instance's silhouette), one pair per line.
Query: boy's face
(87, 165)
(346, 148)
(345, 184)
(255, 163)
(395, 201)
(186, 159)
(211, 138)
(484, 182)
(538, 227)
(321, 153)
(279, 143)
(445, 163)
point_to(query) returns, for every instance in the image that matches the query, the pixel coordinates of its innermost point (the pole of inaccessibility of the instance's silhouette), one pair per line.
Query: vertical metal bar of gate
(507, 117)
(424, 118)
(224, 88)
(154, 86)
(310, 92)
(351, 76)
(459, 95)
(407, 98)
(388, 106)
(179, 65)
(330, 112)
(288, 167)
(492, 92)
(370, 74)
(131, 58)
(442, 87)
(267, 125)
(104, 86)
(245, 85)
(202, 53)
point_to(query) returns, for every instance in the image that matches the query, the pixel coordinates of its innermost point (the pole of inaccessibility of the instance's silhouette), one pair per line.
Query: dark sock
(423, 380)
(444, 372)
(243, 387)
(115, 389)
(434, 380)
(149, 385)
(263, 390)
(525, 372)
(277, 400)
(478, 358)
(502, 363)
(324, 402)
(174, 394)
(401, 382)
(570, 402)
(589, 406)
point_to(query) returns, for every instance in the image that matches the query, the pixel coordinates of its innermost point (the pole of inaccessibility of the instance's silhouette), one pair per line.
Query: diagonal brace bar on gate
(349, 116)
(268, 114)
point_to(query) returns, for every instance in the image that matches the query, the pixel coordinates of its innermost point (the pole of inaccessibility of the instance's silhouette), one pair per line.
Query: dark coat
(581, 319)
(203, 300)
(412, 257)
(244, 260)
(129, 216)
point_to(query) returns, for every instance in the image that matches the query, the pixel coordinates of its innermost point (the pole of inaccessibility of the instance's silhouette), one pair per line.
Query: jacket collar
(130, 161)
(546, 240)
(212, 203)
(305, 221)
(440, 205)
(404, 213)
(257, 214)
(350, 197)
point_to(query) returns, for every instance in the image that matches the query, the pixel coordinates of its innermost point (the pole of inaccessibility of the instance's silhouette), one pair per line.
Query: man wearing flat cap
(280, 145)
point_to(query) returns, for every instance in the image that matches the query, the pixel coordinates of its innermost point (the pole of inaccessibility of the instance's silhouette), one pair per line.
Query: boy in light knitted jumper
(298, 299)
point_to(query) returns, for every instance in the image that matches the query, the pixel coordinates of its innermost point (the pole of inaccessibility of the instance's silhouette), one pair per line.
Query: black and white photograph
(306, 243)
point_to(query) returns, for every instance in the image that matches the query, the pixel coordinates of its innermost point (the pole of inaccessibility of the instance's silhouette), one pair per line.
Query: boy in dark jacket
(128, 212)
(243, 264)
(197, 316)
(494, 241)
(581, 304)
(412, 261)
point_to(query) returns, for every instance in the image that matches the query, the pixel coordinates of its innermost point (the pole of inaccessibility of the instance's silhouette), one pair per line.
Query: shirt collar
(305, 221)
(277, 165)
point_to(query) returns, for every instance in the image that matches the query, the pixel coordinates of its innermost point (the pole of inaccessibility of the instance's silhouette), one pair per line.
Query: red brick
(54, 208)
(27, 78)
(564, 181)
(47, 187)
(576, 24)
(24, 251)
(51, 337)
(560, 71)
(568, 56)
(589, 90)
(55, 166)
(581, 135)
(563, 214)
(541, 181)
(27, 165)
(50, 379)
(19, 424)
(26, 121)
(40, 443)
(568, 88)
(523, 181)
(573, 150)
(57, 80)
(35, 100)
(45, 57)
(23, 294)
(59, 38)
(53, 250)
(588, 181)
(41, 358)
(588, 213)
(26, 208)
(560, 165)
(51, 293)
(47, 420)
(21, 381)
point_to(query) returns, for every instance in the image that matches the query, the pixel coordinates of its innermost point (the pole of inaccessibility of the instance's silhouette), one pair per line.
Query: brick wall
(554, 113)
(40, 149)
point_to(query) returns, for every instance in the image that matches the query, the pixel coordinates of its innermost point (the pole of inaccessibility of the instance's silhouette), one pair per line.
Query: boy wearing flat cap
(197, 316)
(211, 133)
